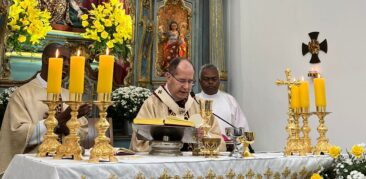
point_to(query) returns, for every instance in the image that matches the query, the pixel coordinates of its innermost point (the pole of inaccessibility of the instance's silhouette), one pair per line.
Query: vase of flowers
(4, 99)
(349, 166)
(127, 103)
(27, 25)
(109, 27)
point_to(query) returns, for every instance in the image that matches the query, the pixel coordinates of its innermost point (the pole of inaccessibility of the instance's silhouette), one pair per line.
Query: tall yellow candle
(304, 94)
(77, 66)
(319, 90)
(54, 74)
(105, 75)
(295, 97)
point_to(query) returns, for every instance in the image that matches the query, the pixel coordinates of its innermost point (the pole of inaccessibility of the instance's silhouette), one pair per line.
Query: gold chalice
(211, 145)
(246, 139)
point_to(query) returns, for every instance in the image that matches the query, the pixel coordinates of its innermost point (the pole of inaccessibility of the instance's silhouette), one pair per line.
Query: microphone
(194, 95)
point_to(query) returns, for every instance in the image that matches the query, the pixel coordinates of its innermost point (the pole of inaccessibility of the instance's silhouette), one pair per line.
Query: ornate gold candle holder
(102, 149)
(323, 144)
(306, 141)
(71, 146)
(50, 142)
(299, 147)
(246, 139)
(294, 145)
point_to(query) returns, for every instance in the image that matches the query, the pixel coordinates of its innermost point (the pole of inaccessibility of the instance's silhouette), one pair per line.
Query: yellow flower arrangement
(357, 151)
(352, 165)
(109, 26)
(316, 176)
(27, 24)
(334, 151)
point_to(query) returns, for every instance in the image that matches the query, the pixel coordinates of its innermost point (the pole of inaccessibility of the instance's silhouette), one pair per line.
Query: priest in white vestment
(173, 98)
(224, 105)
(23, 126)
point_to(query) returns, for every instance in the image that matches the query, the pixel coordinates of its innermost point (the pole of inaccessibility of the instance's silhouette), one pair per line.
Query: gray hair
(208, 66)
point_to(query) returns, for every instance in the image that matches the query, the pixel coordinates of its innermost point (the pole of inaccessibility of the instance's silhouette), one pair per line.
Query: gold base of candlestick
(294, 143)
(102, 150)
(323, 144)
(71, 147)
(50, 142)
(306, 141)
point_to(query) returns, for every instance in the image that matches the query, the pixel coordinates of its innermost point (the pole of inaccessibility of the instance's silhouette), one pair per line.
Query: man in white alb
(224, 105)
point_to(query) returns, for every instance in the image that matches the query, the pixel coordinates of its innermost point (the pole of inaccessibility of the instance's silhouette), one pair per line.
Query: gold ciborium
(102, 149)
(246, 139)
(71, 146)
(50, 142)
(211, 146)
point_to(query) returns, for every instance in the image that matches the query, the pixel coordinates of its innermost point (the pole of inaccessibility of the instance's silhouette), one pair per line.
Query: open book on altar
(170, 120)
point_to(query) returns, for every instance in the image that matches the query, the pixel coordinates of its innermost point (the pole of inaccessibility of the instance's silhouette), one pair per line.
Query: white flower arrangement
(4, 99)
(127, 102)
(5, 95)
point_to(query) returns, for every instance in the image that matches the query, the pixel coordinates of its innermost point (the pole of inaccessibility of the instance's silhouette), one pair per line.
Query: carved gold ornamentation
(211, 174)
(240, 176)
(294, 176)
(286, 172)
(50, 142)
(258, 176)
(250, 174)
(71, 146)
(102, 149)
(277, 175)
(83, 177)
(220, 177)
(306, 130)
(113, 176)
(176, 177)
(303, 172)
(268, 173)
(230, 174)
(140, 175)
(200, 177)
(165, 175)
(188, 175)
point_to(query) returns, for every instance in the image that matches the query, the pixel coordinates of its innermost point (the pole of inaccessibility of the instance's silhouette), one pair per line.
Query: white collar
(41, 81)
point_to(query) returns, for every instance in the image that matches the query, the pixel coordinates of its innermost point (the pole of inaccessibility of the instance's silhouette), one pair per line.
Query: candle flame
(78, 52)
(57, 53)
(318, 75)
(107, 51)
(302, 78)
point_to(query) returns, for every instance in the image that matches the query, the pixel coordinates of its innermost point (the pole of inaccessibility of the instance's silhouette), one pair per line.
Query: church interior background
(252, 42)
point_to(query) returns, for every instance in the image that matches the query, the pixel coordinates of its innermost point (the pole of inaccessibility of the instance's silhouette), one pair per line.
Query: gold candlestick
(306, 130)
(50, 142)
(323, 144)
(298, 144)
(71, 146)
(102, 149)
(291, 127)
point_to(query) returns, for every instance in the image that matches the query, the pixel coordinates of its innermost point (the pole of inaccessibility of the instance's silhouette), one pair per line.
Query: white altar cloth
(263, 165)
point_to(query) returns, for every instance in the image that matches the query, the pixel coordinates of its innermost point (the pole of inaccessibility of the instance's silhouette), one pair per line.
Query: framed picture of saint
(173, 34)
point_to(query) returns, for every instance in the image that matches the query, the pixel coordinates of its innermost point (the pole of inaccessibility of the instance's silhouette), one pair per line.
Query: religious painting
(173, 33)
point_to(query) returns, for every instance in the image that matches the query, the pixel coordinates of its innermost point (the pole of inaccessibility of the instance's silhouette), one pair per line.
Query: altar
(142, 165)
